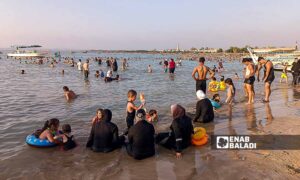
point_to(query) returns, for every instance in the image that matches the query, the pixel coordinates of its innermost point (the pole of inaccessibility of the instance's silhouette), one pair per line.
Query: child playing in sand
(131, 108)
(230, 91)
(213, 85)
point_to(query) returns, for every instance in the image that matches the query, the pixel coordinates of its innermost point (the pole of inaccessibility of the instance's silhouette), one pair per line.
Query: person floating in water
(202, 71)
(268, 76)
(141, 138)
(49, 131)
(69, 94)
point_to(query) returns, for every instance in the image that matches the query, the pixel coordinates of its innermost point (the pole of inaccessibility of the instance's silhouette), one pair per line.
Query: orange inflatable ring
(201, 142)
(199, 133)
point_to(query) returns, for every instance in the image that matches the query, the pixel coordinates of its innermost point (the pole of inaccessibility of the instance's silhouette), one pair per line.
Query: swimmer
(97, 74)
(69, 94)
(149, 69)
(52, 65)
(236, 76)
(22, 71)
(101, 73)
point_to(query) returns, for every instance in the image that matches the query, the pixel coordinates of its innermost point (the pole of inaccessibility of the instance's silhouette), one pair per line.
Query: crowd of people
(140, 137)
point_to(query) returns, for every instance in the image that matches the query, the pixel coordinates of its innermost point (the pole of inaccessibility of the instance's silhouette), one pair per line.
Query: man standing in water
(268, 76)
(86, 69)
(79, 65)
(202, 71)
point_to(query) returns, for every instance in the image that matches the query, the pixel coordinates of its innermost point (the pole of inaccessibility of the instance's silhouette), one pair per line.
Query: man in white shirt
(79, 65)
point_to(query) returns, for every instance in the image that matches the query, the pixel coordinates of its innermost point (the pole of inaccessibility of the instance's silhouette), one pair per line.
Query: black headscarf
(107, 115)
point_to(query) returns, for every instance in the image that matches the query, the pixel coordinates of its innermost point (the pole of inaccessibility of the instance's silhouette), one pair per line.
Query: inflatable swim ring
(222, 86)
(200, 142)
(199, 133)
(33, 141)
(215, 104)
(213, 86)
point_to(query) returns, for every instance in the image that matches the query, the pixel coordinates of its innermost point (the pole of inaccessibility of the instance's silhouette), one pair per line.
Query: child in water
(49, 131)
(99, 116)
(67, 138)
(213, 85)
(222, 85)
(230, 91)
(97, 74)
(152, 116)
(131, 108)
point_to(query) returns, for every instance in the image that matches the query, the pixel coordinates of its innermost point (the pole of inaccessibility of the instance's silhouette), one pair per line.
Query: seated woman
(152, 115)
(99, 116)
(204, 109)
(181, 130)
(49, 131)
(104, 136)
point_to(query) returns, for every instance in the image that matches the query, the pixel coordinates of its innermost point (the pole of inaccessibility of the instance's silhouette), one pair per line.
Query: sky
(149, 24)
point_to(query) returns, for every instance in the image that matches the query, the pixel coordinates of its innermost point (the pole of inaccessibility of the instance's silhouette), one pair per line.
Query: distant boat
(278, 59)
(26, 52)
